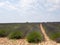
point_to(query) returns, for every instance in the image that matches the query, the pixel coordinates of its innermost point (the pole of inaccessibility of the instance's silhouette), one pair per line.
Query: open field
(25, 28)
(49, 32)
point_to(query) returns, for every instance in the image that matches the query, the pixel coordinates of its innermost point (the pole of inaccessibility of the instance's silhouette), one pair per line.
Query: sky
(29, 11)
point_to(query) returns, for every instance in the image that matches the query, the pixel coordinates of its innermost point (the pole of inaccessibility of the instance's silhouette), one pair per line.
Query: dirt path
(47, 41)
(44, 33)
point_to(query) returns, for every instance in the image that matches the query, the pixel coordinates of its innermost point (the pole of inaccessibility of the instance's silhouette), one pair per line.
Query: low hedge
(3, 33)
(55, 36)
(15, 35)
(34, 37)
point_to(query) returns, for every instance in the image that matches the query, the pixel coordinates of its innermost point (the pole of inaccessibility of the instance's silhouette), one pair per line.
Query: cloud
(54, 5)
(10, 7)
(1, 4)
(7, 5)
(54, 1)
(26, 4)
(44, 5)
(31, 10)
(53, 8)
(32, 5)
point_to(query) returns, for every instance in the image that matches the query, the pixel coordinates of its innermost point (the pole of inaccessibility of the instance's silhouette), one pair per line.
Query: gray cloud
(31, 10)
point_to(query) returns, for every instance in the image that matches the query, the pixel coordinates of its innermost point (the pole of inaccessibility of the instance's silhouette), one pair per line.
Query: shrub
(34, 37)
(55, 35)
(15, 35)
(3, 33)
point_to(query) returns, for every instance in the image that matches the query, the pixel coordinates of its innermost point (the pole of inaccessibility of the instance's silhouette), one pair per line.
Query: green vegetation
(3, 33)
(55, 35)
(53, 30)
(30, 30)
(15, 35)
(34, 37)
(25, 28)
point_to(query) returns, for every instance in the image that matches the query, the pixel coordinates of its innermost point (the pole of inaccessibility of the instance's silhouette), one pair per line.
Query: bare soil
(6, 41)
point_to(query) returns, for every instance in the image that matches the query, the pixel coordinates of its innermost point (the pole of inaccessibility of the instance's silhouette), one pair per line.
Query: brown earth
(5, 41)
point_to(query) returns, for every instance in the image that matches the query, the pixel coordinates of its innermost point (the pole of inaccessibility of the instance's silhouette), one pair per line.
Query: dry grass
(5, 41)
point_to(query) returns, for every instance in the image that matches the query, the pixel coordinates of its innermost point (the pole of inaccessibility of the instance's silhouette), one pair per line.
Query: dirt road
(44, 33)
(47, 41)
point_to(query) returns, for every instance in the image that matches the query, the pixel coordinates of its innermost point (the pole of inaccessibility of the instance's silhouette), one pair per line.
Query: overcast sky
(29, 11)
